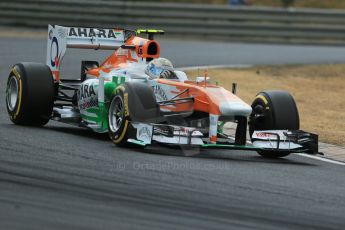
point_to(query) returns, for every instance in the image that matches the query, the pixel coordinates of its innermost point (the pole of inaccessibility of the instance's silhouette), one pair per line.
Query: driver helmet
(157, 66)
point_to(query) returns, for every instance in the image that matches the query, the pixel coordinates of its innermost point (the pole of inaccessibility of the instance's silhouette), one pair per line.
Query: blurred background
(319, 22)
(336, 4)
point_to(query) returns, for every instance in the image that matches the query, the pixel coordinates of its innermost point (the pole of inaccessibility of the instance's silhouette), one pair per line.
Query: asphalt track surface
(62, 177)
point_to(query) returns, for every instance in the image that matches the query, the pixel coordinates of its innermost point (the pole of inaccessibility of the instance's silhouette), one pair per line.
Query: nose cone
(235, 108)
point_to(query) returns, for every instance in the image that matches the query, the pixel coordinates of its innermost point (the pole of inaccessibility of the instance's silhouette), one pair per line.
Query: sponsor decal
(126, 104)
(87, 97)
(144, 133)
(88, 103)
(86, 91)
(159, 93)
(264, 135)
(54, 53)
(140, 50)
(263, 98)
(270, 135)
(89, 32)
(16, 74)
(213, 126)
(50, 34)
(187, 131)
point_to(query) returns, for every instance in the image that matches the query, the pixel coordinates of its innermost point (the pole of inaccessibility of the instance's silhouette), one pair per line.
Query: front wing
(287, 141)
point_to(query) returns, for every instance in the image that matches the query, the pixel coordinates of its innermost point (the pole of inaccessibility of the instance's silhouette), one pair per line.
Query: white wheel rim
(116, 114)
(12, 93)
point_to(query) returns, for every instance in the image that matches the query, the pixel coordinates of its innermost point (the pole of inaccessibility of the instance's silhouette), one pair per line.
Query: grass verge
(319, 91)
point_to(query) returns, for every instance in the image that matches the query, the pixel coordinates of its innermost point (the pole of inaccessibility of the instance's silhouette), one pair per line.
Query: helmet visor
(155, 71)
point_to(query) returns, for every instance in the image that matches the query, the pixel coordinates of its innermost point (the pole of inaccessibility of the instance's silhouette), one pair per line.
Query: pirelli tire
(30, 94)
(130, 102)
(274, 110)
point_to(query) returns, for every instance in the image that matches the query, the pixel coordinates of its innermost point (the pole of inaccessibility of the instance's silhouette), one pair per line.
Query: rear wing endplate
(60, 38)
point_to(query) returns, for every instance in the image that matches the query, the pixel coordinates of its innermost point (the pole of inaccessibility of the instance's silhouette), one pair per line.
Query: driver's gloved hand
(168, 74)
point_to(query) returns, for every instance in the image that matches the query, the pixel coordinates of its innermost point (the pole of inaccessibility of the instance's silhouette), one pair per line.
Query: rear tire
(273, 110)
(30, 94)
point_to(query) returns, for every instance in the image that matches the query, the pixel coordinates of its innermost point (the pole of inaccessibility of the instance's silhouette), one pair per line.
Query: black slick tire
(274, 110)
(30, 94)
(131, 102)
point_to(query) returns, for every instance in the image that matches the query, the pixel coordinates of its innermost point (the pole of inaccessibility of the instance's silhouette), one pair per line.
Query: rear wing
(60, 38)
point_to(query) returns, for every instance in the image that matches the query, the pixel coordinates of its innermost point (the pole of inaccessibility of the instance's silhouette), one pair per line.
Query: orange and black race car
(139, 98)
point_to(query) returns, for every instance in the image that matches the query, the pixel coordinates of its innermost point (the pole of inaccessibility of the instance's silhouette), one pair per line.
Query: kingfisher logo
(264, 135)
(267, 135)
(90, 32)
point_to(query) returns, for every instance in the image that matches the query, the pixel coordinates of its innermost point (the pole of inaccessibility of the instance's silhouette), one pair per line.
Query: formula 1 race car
(140, 99)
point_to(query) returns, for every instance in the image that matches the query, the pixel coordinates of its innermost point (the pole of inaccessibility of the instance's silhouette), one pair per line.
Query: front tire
(131, 102)
(274, 110)
(119, 118)
(30, 94)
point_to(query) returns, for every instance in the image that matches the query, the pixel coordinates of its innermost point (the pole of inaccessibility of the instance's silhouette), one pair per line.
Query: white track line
(321, 159)
(214, 67)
